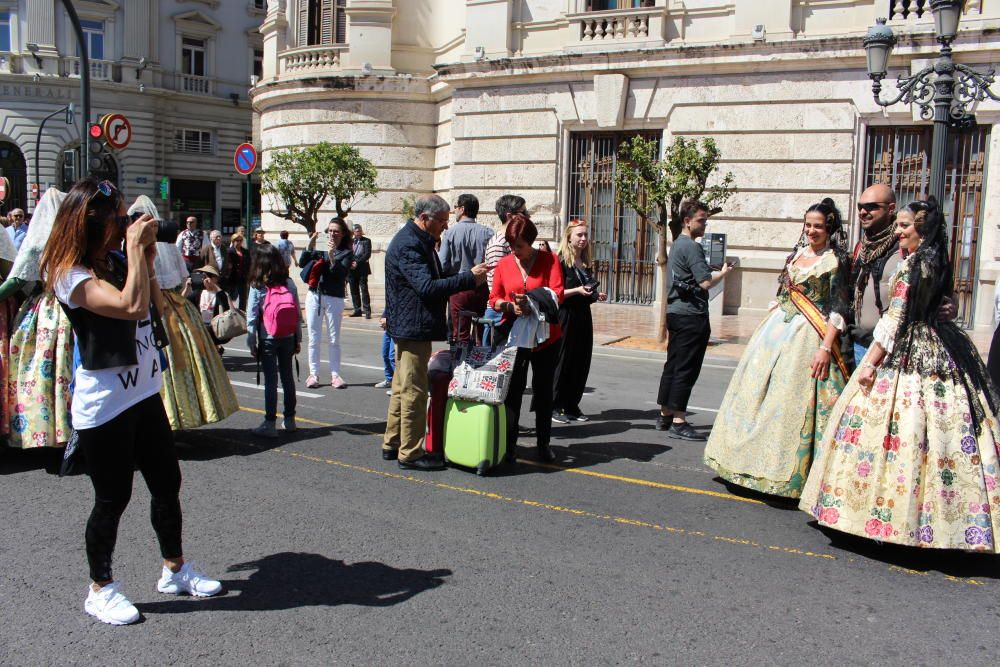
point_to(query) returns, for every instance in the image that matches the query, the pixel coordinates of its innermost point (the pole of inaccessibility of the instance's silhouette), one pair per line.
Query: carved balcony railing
(100, 70)
(190, 83)
(310, 59)
(919, 11)
(617, 28)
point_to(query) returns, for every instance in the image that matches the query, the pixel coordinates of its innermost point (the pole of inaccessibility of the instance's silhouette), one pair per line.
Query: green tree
(655, 188)
(302, 180)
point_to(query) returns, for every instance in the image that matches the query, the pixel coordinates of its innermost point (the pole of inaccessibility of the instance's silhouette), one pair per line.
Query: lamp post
(945, 91)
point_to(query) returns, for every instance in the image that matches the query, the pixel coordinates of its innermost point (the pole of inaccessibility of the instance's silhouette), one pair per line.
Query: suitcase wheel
(481, 469)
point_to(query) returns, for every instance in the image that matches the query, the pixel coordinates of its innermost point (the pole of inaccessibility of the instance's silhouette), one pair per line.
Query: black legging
(138, 437)
(543, 367)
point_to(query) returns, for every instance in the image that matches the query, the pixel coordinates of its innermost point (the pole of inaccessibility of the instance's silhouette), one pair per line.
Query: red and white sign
(117, 131)
(4, 188)
(245, 159)
(34, 191)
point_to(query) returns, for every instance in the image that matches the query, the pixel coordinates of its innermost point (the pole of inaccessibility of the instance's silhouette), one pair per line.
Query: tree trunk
(661, 263)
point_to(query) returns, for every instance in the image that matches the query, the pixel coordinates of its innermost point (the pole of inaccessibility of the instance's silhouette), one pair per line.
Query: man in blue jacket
(416, 298)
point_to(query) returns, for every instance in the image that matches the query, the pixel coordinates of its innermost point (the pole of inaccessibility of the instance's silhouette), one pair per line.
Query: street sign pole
(249, 204)
(84, 85)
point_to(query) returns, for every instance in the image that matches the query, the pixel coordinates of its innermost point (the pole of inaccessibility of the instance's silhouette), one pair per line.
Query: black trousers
(139, 437)
(543, 368)
(360, 300)
(686, 345)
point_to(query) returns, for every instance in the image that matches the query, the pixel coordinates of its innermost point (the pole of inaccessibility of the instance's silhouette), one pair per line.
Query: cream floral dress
(774, 412)
(905, 463)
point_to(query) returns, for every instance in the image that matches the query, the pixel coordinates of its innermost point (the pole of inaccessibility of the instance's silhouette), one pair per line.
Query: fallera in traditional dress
(774, 413)
(905, 464)
(196, 388)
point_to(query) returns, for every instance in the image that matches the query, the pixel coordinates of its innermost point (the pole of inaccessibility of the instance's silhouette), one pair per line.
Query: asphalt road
(625, 551)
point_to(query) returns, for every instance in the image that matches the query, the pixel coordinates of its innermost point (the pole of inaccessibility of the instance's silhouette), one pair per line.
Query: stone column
(487, 26)
(369, 36)
(275, 31)
(137, 31)
(40, 29)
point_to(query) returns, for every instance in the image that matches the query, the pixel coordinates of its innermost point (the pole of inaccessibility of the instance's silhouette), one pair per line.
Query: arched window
(322, 22)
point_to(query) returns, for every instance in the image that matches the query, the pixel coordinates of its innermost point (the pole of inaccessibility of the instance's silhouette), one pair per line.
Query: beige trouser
(406, 424)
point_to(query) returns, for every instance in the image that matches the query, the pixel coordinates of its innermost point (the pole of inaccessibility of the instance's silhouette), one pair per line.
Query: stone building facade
(179, 70)
(533, 97)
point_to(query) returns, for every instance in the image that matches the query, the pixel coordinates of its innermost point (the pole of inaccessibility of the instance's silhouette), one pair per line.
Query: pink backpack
(281, 314)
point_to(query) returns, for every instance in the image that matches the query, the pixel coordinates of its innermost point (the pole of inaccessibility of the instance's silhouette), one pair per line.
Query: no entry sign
(4, 188)
(245, 159)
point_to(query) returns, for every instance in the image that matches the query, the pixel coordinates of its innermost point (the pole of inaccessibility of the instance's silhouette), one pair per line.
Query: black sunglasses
(871, 206)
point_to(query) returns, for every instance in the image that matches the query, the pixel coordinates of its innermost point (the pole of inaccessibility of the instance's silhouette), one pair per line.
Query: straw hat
(209, 269)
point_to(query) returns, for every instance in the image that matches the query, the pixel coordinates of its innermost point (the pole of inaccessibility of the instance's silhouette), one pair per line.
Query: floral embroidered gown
(774, 412)
(905, 463)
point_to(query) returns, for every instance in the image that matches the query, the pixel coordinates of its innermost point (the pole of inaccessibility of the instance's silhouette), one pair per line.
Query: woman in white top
(117, 410)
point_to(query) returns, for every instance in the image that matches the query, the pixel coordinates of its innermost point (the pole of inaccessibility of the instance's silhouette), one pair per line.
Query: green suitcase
(475, 434)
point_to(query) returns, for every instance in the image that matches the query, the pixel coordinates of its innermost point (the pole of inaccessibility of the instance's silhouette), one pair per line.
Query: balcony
(912, 12)
(617, 29)
(310, 60)
(190, 83)
(100, 70)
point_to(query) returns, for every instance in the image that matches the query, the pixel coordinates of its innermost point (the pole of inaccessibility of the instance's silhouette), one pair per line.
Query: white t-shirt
(100, 396)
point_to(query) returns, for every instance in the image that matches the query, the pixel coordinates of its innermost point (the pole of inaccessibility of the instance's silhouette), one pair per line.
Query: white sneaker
(384, 384)
(265, 430)
(388, 392)
(108, 605)
(288, 423)
(188, 580)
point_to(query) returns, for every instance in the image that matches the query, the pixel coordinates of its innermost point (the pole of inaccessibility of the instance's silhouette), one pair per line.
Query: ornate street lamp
(945, 91)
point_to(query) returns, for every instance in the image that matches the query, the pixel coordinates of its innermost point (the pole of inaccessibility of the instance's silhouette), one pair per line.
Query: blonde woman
(573, 362)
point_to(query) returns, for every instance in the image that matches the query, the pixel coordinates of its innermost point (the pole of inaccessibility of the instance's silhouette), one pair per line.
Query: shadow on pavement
(290, 580)
(777, 502)
(950, 562)
(14, 461)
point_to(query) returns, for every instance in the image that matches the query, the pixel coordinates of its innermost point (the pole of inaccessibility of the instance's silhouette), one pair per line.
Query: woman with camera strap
(117, 411)
(577, 345)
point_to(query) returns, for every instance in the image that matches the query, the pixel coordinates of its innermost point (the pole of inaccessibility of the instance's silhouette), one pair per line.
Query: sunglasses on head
(871, 206)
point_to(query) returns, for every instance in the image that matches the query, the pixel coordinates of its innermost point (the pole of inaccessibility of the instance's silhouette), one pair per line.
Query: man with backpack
(274, 335)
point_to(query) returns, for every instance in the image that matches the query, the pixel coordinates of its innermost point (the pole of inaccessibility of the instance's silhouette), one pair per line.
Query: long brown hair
(268, 269)
(83, 228)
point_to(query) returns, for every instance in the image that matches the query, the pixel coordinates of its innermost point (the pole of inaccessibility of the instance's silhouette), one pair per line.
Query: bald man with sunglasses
(876, 257)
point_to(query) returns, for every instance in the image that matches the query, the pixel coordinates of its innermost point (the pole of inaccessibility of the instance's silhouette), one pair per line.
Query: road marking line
(247, 385)
(625, 356)
(576, 471)
(590, 515)
(246, 353)
(554, 508)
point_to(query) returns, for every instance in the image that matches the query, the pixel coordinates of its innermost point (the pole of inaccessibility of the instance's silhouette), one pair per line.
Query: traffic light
(96, 148)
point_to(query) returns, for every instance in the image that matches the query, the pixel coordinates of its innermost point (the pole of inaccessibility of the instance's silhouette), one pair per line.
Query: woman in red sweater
(525, 269)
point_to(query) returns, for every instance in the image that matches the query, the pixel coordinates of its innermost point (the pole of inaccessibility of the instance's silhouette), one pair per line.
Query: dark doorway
(13, 166)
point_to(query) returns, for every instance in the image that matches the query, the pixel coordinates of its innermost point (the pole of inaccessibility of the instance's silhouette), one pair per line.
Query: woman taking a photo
(117, 410)
(326, 275)
(517, 274)
(577, 347)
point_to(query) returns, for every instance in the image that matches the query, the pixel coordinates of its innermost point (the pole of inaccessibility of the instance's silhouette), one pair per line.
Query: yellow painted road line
(610, 518)
(575, 471)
